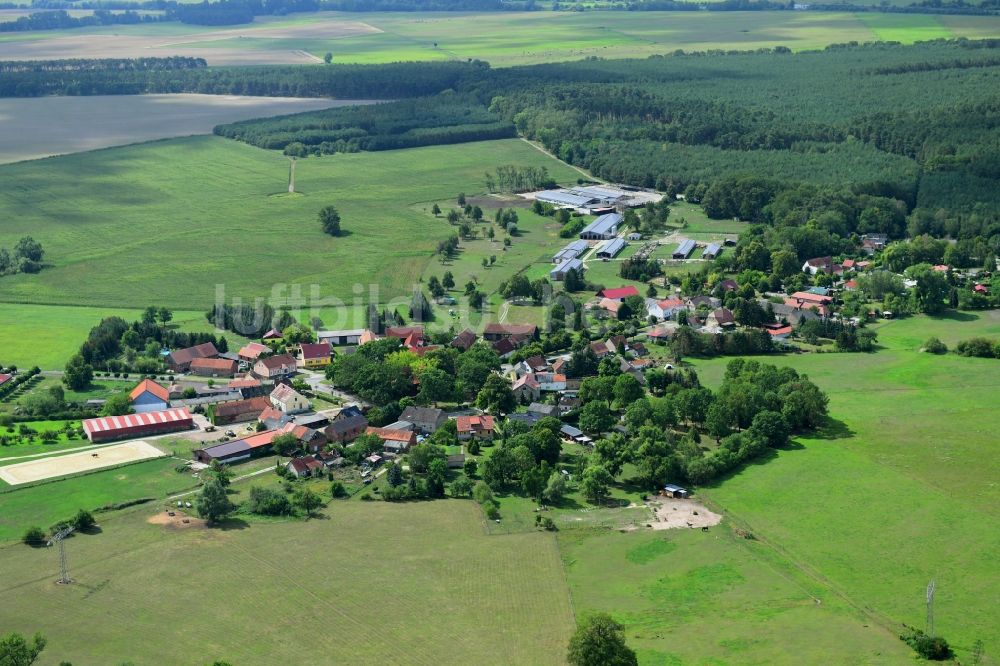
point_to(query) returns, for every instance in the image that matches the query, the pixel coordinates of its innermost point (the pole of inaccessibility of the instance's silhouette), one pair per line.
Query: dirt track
(681, 513)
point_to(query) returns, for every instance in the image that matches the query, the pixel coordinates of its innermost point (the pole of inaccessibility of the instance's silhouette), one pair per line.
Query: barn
(684, 250)
(108, 428)
(603, 228)
(611, 249)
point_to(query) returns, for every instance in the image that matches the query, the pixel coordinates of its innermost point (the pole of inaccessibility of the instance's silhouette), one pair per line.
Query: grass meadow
(175, 222)
(502, 38)
(366, 583)
(47, 335)
(899, 490)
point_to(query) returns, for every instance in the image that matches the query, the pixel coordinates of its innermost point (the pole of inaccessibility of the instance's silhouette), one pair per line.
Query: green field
(901, 489)
(47, 336)
(368, 583)
(176, 222)
(688, 597)
(502, 38)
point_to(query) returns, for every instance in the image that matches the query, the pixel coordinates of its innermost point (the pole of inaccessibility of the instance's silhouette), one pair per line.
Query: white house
(288, 400)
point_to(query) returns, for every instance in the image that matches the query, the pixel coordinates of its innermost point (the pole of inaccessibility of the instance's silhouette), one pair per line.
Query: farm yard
(502, 39)
(32, 128)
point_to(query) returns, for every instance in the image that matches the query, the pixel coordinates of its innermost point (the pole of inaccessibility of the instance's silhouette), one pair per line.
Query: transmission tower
(291, 175)
(59, 538)
(930, 608)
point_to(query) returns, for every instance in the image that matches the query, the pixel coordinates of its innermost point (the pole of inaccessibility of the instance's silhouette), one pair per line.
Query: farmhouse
(337, 338)
(475, 427)
(288, 400)
(684, 250)
(778, 331)
(346, 429)
(304, 466)
(238, 411)
(180, 360)
(822, 265)
(425, 420)
(558, 274)
(313, 440)
(464, 340)
(720, 318)
(611, 248)
(618, 294)
(213, 367)
(252, 351)
(314, 355)
(148, 396)
(275, 367)
(526, 388)
(494, 332)
(394, 441)
(603, 228)
(108, 428)
(664, 309)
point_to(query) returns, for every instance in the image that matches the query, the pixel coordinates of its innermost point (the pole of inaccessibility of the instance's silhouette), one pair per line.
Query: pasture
(47, 335)
(183, 222)
(31, 128)
(899, 489)
(416, 583)
(501, 38)
(689, 597)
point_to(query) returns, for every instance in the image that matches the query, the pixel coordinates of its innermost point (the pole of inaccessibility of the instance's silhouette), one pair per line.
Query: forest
(770, 136)
(406, 124)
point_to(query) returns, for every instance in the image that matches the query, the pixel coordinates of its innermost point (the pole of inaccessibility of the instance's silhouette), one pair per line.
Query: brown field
(84, 461)
(40, 127)
(172, 39)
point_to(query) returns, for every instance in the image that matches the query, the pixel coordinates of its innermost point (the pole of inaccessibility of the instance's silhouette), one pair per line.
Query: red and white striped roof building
(107, 428)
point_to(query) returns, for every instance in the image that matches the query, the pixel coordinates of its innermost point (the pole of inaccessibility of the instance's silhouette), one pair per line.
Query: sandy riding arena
(679, 513)
(85, 461)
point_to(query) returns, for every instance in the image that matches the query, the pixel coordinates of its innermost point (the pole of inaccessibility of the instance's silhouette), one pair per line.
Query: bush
(34, 536)
(337, 489)
(83, 520)
(979, 347)
(268, 502)
(933, 648)
(492, 510)
(935, 346)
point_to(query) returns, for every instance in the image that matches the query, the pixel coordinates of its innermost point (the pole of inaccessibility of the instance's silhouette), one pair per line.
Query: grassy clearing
(900, 489)
(414, 583)
(118, 224)
(906, 28)
(689, 597)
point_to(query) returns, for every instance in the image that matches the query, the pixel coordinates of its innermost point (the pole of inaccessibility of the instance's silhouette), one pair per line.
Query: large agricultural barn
(603, 228)
(108, 428)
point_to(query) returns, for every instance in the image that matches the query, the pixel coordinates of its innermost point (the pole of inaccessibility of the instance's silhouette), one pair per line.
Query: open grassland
(688, 597)
(900, 489)
(502, 38)
(175, 222)
(367, 583)
(47, 336)
(39, 127)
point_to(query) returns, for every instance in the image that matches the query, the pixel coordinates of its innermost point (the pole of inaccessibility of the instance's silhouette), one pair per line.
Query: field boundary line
(809, 571)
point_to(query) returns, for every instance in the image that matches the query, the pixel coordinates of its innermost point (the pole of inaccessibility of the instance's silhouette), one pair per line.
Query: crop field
(47, 336)
(31, 128)
(502, 38)
(688, 597)
(183, 222)
(899, 489)
(367, 583)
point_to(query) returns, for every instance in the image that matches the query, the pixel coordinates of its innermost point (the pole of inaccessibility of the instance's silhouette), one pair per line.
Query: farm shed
(670, 490)
(684, 250)
(712, 251)
(350, 336)
(611, 249)
(148, 396)
(571, 251)
(603, 228)
(558, 274)
(566, 198)
(108, 428)
(238, 449)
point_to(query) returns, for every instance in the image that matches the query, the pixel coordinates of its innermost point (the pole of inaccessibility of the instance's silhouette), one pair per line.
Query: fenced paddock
(84, 461)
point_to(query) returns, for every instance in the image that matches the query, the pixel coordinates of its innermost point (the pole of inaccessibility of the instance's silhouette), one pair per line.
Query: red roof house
(618, 293)
(474, 427)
